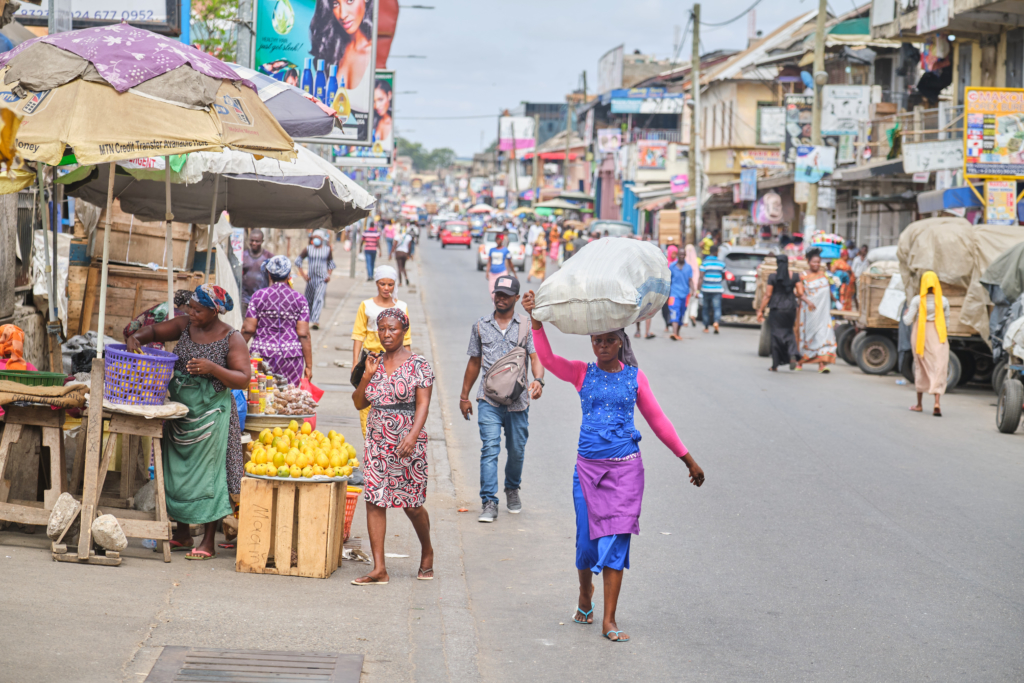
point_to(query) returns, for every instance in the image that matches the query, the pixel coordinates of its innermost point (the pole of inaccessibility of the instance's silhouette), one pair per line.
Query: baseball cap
(506, 284)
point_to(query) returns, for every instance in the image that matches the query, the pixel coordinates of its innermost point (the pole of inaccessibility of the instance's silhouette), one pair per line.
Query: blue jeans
(516, 424)
(371, 256)
(712, 301)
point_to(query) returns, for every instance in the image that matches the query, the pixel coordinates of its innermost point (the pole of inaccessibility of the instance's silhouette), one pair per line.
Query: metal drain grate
(197, 664)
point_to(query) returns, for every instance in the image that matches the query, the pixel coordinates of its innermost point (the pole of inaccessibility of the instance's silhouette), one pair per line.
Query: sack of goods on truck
(609, 284)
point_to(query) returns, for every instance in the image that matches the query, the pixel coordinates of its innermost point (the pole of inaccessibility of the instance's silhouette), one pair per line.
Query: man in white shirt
(860, 262)
(531, 236)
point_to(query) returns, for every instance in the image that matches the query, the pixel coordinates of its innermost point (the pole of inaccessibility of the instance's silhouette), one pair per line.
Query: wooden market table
(18, 421)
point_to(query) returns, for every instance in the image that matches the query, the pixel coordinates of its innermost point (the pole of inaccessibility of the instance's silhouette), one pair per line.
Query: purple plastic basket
(136, 378)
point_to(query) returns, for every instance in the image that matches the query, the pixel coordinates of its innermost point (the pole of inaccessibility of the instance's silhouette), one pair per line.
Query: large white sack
(609, 284)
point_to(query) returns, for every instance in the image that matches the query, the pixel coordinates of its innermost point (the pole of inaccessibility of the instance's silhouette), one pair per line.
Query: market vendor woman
(203, 450)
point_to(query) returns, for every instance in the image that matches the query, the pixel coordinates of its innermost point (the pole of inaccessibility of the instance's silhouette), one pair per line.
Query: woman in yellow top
(364, 331)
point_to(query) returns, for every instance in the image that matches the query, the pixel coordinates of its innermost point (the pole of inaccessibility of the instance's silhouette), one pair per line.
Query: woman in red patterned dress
(397, 386)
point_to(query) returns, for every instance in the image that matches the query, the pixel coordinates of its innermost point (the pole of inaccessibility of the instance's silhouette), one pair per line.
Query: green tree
(424, 159)
(214, 24)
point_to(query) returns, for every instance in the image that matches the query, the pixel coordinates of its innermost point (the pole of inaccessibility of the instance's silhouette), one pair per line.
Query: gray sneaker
(489, 513)
(512, 501)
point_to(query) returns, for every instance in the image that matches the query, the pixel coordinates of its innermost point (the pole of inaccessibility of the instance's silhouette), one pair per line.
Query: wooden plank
(23, 514)
(90, 492)
(337, 529)
(135, 305)
(12, 434)
(92, 291)
(167, 665)
(314, 518)
(92, 559)
(38, 416)
(254, 525)
(134, 424)
(161, 496)
(53, 439)
(108, 453)
(284, 526)
(140, 528)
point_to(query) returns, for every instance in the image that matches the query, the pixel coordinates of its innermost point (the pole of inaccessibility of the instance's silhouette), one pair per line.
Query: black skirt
(780, 324)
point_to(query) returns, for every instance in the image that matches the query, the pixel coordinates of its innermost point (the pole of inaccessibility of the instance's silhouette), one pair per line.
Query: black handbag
(358, 369)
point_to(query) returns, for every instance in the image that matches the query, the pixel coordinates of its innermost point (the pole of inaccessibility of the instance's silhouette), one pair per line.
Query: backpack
(505, 381)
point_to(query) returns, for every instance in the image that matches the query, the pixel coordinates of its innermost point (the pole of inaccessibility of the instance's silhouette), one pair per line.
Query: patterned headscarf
(395, 313)
(277, 267)
(212, 296)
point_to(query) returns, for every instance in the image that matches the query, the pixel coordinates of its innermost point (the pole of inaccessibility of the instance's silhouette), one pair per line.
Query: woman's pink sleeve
(656, 418)
(571, 371)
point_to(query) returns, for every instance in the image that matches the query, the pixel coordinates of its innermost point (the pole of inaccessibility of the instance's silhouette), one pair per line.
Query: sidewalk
(82, 623)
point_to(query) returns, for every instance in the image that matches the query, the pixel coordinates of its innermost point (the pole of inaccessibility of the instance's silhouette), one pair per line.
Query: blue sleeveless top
(608, 400)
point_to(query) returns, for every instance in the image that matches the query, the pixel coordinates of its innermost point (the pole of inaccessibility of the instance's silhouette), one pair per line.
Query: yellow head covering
(930, 281)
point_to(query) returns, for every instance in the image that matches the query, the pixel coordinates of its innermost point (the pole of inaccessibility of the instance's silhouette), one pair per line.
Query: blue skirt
(606, 551)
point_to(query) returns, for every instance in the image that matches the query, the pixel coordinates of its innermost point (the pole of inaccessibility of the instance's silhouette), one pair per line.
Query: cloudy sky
(483, 56)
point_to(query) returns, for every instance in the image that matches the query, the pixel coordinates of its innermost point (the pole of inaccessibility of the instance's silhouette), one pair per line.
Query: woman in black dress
(781, 297)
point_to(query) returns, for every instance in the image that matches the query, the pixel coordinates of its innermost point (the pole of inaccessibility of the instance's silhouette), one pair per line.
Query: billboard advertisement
(328, 49)
(515, 132)
(378, 153)
(609, 70)
(159, 16)
(608, 140)
(994, 132)
(651, 153)
(799, 115)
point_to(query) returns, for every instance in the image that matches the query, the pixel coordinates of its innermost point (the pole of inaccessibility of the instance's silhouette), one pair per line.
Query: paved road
(838, 536)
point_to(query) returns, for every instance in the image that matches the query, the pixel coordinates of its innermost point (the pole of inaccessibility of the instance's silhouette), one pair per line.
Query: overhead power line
(736, 18)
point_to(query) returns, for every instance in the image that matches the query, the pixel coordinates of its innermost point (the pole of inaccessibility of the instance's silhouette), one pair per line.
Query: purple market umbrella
(298, 112)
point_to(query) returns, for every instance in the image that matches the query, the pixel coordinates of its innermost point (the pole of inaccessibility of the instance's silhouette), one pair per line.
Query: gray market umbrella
(299, 113)
(308, 193)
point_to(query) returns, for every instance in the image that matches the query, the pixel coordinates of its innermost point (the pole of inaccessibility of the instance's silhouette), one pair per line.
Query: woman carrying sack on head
(927, 322)
(608, 483)
(365, 339)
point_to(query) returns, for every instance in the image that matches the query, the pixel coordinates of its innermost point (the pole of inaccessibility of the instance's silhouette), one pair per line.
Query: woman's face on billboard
(381, 101)
(349, 14)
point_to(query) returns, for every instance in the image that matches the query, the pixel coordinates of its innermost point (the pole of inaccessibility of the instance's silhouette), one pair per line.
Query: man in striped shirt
(371, 237)
(712, 284)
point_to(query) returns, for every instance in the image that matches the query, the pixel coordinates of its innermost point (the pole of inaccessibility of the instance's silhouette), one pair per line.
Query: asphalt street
(838, 536)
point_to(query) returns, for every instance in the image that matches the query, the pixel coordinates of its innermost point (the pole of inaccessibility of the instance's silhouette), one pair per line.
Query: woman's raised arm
(571, 371)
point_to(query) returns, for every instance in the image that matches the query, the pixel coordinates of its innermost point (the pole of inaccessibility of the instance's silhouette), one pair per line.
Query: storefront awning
(655, 204)
(873, 169)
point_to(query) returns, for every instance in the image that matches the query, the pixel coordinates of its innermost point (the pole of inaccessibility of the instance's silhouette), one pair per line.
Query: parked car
(517, 250)
(456, 232)
(740, 279)
(612, 228)
(436, 223)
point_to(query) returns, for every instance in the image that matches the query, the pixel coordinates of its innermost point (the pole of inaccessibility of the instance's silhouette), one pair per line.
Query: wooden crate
(871, 287)
(130, 291)
(670, 227)
(278, 517)
(137, 241)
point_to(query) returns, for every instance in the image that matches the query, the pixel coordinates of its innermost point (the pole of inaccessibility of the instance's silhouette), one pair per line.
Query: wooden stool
(50, 422)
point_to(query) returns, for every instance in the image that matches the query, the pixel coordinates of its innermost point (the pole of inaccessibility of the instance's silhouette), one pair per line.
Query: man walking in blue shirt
(712, 276)
(682, 273)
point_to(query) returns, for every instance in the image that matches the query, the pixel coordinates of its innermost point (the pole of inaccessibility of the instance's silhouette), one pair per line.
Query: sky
(485, 56)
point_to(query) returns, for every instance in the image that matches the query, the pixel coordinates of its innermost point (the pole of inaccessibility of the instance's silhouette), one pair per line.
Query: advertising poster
(379, 153)
(799, 118)
(651, 153)
(768, 210)
(761, 158)
(608, 140)
(843, 107)
(515, 132)
(748, 185)
(771, 125)
(814, 162)
(679, 184)
(994, 132)
(326, 48)
(1001, 202)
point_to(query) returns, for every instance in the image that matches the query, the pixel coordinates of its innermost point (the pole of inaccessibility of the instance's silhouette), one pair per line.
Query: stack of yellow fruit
(298, 452)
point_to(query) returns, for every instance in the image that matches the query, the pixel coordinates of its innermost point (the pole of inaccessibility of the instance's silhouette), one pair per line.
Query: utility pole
(568, 135)
(820, 78)
(536, 160)
(697, 221)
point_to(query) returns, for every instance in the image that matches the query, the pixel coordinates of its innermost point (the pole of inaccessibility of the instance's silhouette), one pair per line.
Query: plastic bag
(315, 391)
(607, 285)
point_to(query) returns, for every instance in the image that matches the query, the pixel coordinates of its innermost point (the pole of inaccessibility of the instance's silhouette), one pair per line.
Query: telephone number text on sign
(102, 15)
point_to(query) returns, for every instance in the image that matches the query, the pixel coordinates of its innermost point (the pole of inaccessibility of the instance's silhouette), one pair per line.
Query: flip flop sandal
(421, 572)
(357, 582)
(824, 371)
(937, 413)
(652, 336)
(586, 615)
(226, 546)
(200, 555)
(178, 546)
(618, 639)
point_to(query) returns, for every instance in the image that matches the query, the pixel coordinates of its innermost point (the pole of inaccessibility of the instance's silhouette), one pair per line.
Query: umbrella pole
(44, 214)
(106, 260)
(209, 236)
(169, 217)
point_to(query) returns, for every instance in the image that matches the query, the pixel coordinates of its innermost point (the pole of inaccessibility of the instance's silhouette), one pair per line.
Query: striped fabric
(714, 273)
(370, 240)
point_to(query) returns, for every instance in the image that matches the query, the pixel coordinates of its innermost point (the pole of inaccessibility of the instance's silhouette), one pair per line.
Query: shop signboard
(994, 133)
(679, 184)
(608, 140)
(748, 185)
(814, 162)
(932, 155)
(645, 101)
(799, 117)
(1001, 202)
(515, 132)
(159, 16)
(761, 158)
(687, 204)
(651, 153)
(379, 153)
(843, 107)
(771, 125)
(327, 52)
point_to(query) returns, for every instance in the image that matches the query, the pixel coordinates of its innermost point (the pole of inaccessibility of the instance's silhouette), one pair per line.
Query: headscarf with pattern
(212, 296)
(395, 313)
(277, 267)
